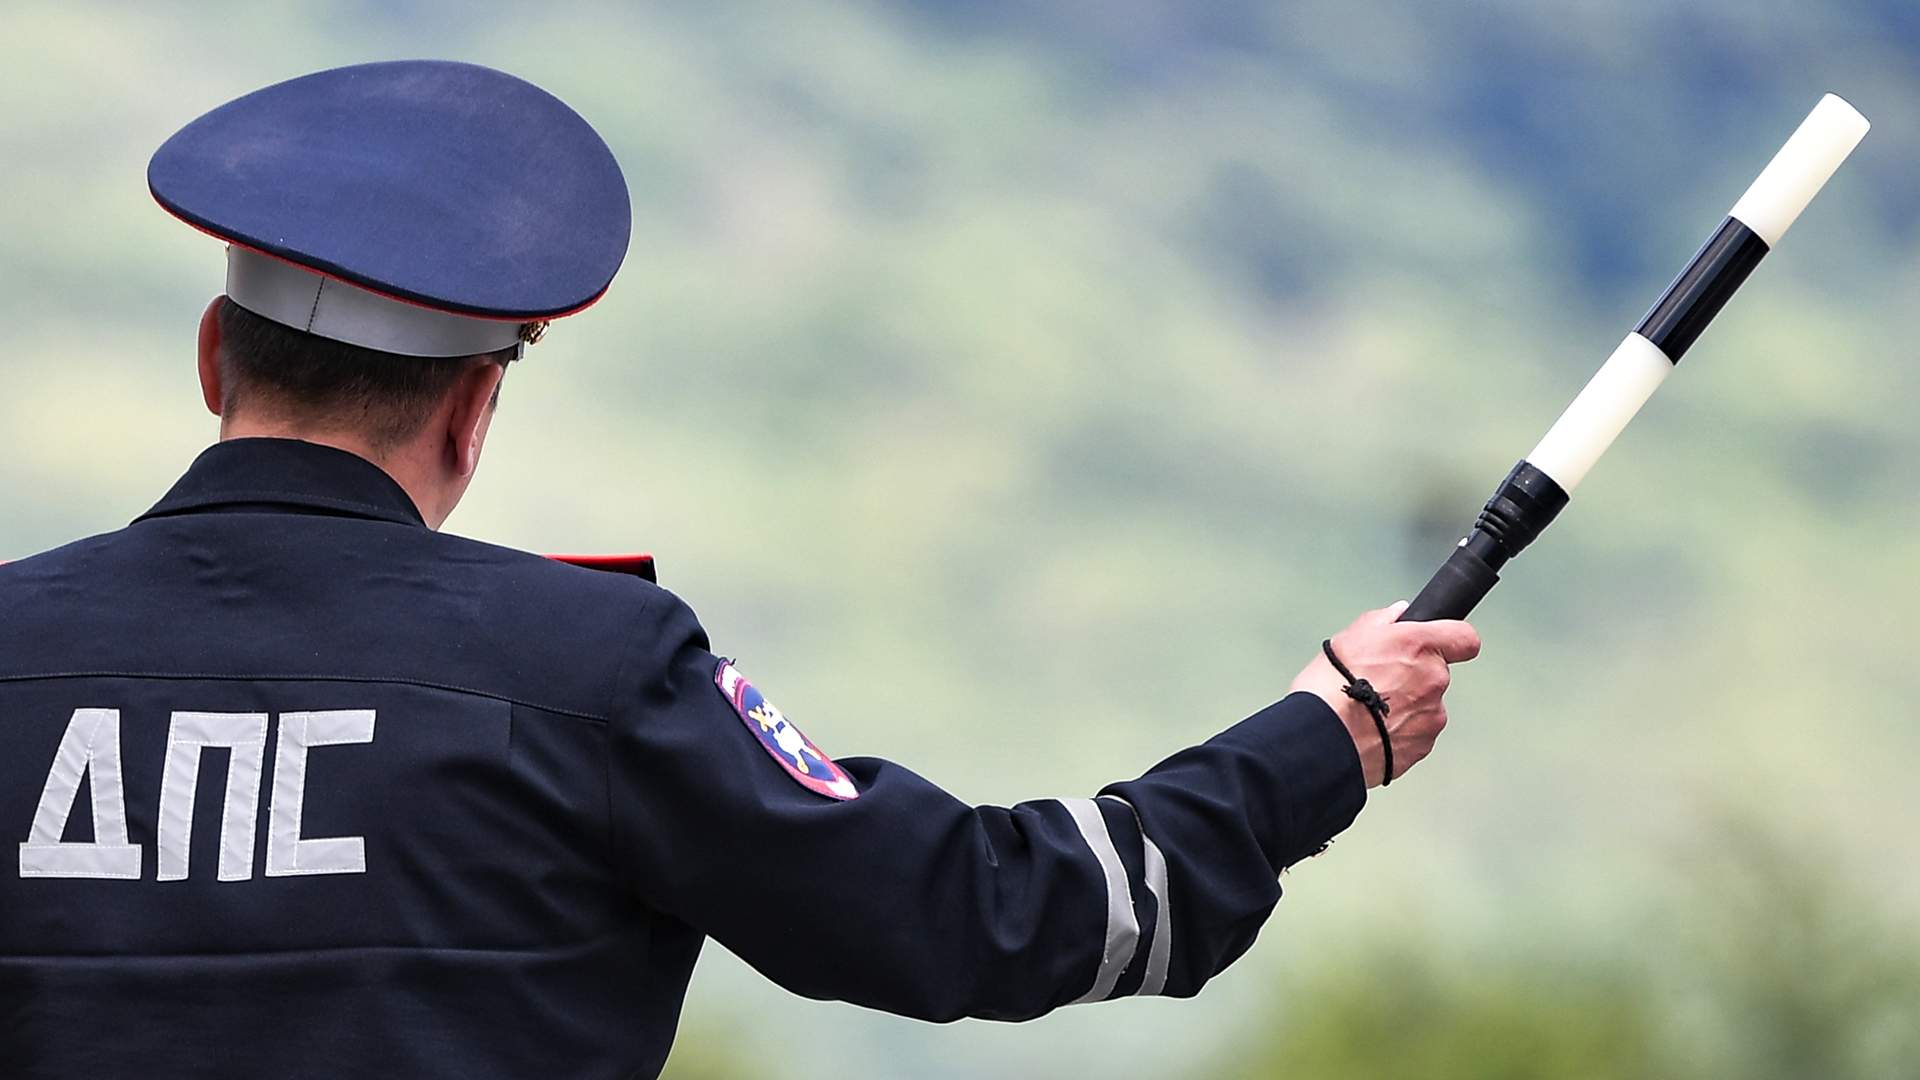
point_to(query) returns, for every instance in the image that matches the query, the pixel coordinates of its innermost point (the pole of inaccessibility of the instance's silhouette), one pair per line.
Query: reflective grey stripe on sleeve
(1160, 953)
(1123, 930)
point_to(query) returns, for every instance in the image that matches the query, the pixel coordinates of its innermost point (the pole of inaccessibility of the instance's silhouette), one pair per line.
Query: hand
(1407, 665)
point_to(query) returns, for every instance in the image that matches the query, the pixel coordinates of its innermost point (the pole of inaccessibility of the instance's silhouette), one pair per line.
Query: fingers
(1381, 616)
(1455, 641)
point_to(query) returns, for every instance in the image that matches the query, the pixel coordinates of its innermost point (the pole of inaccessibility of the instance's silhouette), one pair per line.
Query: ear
(210, 390)
(472, 414)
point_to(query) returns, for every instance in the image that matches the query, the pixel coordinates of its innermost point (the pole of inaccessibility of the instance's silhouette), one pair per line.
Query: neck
(413, 465)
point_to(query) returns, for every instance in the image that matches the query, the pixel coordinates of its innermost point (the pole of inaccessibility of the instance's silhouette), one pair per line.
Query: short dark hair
(384, 396)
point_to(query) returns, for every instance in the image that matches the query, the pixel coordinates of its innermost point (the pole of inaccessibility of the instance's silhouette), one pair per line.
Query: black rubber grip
(1453, 590)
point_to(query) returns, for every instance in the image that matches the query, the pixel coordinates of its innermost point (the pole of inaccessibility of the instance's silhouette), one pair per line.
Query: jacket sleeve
(906, 899)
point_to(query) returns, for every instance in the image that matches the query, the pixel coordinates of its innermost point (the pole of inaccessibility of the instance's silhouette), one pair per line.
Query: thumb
(1455, 640)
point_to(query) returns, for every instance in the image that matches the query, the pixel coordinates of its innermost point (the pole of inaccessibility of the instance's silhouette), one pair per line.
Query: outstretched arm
(906, 899)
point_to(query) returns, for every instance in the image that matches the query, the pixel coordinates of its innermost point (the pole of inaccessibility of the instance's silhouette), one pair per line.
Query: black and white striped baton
(1541, 484)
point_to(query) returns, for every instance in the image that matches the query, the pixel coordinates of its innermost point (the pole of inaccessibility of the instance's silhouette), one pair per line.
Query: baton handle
(1524, 504)
(1453, 590)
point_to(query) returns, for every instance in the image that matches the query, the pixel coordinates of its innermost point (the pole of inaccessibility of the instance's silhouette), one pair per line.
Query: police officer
(305, 787)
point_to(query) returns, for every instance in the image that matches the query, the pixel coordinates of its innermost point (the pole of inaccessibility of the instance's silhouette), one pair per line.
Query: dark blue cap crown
(447, 185)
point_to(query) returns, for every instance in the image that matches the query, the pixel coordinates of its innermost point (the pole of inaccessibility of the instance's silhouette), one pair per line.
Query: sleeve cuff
(1314, 775)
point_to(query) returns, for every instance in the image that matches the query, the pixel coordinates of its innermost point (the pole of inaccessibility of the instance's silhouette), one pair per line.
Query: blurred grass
(1022, 390)
(1403, 1016)
(1765, 961)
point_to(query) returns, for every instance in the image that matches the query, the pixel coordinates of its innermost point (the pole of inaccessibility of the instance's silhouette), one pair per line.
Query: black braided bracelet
(1363, 692)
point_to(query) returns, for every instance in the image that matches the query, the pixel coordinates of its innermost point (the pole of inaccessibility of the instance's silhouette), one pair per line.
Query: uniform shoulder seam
(627, 646)
(629, 649)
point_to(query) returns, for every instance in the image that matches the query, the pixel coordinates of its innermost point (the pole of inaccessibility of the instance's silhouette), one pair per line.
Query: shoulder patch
(782, 741)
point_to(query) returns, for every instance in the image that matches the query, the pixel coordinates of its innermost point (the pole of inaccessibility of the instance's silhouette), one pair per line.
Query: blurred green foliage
(1800, 974)
(1758, 965)
(1406, 1016)
(1023, 389)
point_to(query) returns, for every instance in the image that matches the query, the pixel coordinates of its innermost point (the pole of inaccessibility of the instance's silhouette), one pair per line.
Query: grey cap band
(300, 298)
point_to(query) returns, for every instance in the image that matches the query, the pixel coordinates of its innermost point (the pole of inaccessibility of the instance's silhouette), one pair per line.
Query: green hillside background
(1022, 391)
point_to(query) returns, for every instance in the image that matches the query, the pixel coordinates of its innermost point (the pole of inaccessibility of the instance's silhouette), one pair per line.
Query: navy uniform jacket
(303, 788)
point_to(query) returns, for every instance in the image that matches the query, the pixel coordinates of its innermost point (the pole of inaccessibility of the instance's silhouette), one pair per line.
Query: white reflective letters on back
(286, 852)
(246, 735)
(91, 745)
(90, 750)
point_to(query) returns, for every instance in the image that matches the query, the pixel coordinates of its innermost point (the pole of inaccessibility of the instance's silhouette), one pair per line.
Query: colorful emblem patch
(794, 751)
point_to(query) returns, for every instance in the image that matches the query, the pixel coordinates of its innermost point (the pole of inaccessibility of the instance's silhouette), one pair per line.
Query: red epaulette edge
(640, 566)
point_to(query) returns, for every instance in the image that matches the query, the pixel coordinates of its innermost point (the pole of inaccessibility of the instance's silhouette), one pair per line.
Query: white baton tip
(1801, 168)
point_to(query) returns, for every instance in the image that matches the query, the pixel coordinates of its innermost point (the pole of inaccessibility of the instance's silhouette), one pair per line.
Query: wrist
(1322, 681)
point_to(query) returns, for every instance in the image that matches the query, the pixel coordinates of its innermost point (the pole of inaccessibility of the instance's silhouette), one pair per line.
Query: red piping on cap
(350, 283)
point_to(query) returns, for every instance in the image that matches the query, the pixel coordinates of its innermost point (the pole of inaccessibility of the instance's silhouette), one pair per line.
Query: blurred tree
(1794, 974)
(1398, 1015)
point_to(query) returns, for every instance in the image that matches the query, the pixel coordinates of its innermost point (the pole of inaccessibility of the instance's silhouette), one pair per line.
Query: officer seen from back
(304, 787)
